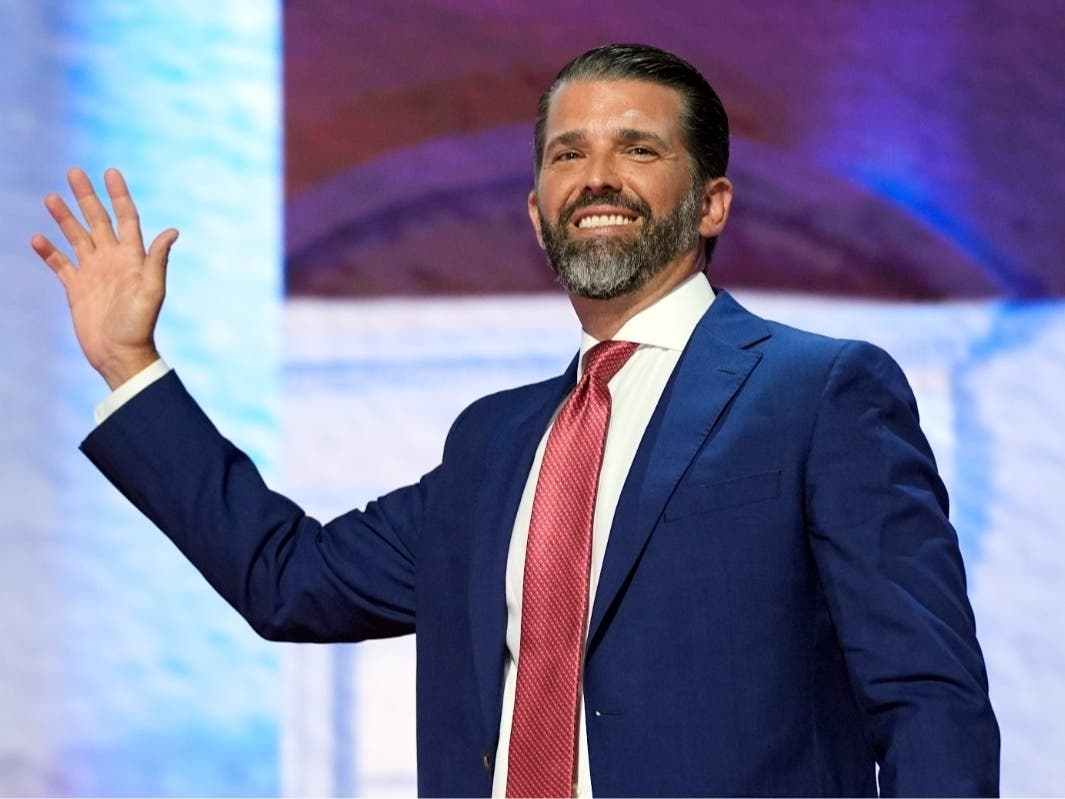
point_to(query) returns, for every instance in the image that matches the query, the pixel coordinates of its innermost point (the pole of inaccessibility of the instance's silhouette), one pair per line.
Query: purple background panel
(901, 151)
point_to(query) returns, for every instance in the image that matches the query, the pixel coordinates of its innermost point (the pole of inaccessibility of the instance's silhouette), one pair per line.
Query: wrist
(122, 366)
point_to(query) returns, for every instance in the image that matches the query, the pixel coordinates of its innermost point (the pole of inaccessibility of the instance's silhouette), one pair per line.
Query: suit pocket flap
(703, 497)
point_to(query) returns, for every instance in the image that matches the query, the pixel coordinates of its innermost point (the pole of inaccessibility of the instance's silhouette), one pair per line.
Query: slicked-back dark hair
(704, 124)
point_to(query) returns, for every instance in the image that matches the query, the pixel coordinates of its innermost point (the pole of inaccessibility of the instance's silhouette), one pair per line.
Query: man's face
(615, 202)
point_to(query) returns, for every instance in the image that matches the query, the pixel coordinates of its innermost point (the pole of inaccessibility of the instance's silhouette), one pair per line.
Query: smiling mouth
(604, 220)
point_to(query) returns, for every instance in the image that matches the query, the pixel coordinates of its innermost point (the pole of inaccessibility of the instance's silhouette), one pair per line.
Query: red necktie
(554, 605)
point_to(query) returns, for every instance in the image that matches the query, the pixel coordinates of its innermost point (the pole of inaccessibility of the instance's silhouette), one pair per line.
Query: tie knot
(604, 360)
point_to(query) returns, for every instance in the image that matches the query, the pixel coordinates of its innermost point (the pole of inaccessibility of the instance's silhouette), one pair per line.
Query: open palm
(114, 286)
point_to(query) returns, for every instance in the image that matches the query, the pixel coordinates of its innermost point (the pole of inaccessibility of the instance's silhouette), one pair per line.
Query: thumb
(159, 253)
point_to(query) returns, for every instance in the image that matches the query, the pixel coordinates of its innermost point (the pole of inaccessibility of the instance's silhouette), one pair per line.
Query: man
(712, 558)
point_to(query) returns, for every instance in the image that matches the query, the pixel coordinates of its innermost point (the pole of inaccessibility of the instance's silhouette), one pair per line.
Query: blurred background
(356, 265)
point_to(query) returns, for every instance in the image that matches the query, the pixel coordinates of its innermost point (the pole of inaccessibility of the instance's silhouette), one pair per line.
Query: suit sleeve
(894, 581)
(291, 577)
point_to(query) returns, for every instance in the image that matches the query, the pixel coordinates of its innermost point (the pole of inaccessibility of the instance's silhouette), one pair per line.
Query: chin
(601, 286)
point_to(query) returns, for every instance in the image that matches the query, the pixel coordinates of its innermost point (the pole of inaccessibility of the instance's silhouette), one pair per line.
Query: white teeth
(604, 220)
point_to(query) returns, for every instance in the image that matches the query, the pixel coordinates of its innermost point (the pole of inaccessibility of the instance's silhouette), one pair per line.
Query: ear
(534, 217)
(717, 197)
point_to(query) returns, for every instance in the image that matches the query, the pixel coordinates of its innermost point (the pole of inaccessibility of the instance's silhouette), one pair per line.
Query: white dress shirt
(131, 388)
(662, 331)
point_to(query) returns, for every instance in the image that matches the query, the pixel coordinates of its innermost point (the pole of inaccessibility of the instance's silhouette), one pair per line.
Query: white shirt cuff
(128, 390)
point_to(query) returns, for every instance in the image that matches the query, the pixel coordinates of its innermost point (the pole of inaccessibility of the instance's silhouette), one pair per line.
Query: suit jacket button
(486, 761)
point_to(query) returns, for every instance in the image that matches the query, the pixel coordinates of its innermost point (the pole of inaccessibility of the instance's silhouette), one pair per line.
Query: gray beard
(609, 267)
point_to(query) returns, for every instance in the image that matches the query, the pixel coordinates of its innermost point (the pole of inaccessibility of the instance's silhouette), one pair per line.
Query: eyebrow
(565, 139)
(633, 135)
(627, 135)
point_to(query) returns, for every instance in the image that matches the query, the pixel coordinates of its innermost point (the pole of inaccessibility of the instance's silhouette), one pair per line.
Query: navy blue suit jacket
(782, 602)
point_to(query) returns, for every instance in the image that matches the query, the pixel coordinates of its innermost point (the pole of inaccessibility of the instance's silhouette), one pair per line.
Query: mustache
(615, 198)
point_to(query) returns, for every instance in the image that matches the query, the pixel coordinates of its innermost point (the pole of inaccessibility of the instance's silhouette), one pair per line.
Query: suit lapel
(712, 368)
(496, 505)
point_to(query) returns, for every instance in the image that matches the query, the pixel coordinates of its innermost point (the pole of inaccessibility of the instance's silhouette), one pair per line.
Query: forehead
(610, 105)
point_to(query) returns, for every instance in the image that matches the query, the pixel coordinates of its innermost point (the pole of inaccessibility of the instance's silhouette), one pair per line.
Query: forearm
(278, 567)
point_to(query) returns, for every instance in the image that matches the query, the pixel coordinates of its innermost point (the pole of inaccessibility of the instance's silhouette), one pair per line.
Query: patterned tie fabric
(554, 607)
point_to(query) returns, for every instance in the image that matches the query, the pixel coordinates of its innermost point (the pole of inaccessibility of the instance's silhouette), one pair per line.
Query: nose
(601, 175)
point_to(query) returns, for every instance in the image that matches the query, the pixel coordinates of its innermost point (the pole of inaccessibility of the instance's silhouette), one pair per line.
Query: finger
(71, 228)
(55, 259)
(159, 255)
(91, 208)
(126, 216)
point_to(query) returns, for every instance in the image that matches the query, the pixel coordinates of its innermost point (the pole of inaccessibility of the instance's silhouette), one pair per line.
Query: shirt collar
(668, 323)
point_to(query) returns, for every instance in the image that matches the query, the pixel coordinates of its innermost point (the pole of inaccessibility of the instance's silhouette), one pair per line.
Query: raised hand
(114, 287)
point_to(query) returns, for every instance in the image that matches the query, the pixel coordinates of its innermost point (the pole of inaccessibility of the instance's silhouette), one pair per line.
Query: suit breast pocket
(702, 497)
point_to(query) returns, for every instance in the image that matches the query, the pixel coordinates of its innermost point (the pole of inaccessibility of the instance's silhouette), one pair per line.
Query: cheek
(552, 199)
(558, 188)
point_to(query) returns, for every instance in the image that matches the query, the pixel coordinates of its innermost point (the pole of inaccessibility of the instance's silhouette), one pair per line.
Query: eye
(642, 151)
(566, 155)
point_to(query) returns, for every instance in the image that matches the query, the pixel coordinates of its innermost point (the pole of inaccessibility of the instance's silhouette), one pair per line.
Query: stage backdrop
(898, 171)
